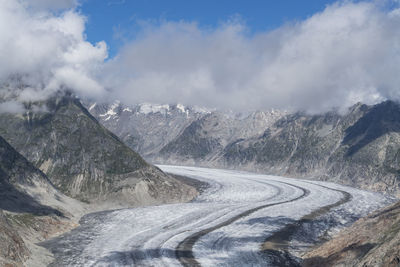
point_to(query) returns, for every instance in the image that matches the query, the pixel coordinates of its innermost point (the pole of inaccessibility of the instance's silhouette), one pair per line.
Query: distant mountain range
(359, 148)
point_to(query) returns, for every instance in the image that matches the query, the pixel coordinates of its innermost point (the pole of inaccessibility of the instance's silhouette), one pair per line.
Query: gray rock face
(204, 140)
(359, 148)
(85, 160)
(146, 128)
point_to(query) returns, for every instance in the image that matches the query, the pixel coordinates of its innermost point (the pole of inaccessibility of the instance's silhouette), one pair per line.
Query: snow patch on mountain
(92, 106)
(147, 108)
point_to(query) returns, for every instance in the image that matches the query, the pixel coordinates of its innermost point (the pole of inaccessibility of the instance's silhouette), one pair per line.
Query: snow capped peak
(111, 111)
(181, 107)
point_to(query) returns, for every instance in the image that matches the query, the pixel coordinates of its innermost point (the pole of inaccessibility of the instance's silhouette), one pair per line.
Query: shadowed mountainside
(17, 176)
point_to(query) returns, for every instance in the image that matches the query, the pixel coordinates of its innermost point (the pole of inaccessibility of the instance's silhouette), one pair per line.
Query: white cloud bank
(347, 53)
(45, 51)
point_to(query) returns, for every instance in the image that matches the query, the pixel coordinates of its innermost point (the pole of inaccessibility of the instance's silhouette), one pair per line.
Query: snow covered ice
(149, 236)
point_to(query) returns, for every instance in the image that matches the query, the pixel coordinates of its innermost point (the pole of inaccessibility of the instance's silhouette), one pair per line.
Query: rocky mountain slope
(205, 139)
(371, 241)
(24, 188)
(153, 130)
(13, 251)
(358, 148)
(83, 159)
(31, 209)
(146, 128)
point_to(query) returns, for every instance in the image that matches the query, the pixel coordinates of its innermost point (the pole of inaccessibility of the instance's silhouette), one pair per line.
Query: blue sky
(115, 21)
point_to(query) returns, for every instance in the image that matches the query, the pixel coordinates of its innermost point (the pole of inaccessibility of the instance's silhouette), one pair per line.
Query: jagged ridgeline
(83, 159)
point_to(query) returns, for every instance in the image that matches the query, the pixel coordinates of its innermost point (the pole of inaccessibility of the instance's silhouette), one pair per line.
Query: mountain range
(358, 148)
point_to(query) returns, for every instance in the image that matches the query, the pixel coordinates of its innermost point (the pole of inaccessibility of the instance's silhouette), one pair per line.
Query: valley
(78, 194)
(226, 225)
(199, 133)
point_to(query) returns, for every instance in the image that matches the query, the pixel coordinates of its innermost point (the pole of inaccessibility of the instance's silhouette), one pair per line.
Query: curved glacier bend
(231, 220)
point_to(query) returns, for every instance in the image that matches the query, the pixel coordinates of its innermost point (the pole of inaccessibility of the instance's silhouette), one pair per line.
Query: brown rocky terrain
(371, 241)
(13, 251)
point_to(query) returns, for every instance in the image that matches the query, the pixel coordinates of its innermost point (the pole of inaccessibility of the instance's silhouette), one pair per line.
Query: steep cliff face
(83, 159)
(371, 241)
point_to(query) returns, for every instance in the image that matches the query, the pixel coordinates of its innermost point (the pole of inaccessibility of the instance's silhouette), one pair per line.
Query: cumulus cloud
(347, 53)
(41, 52)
